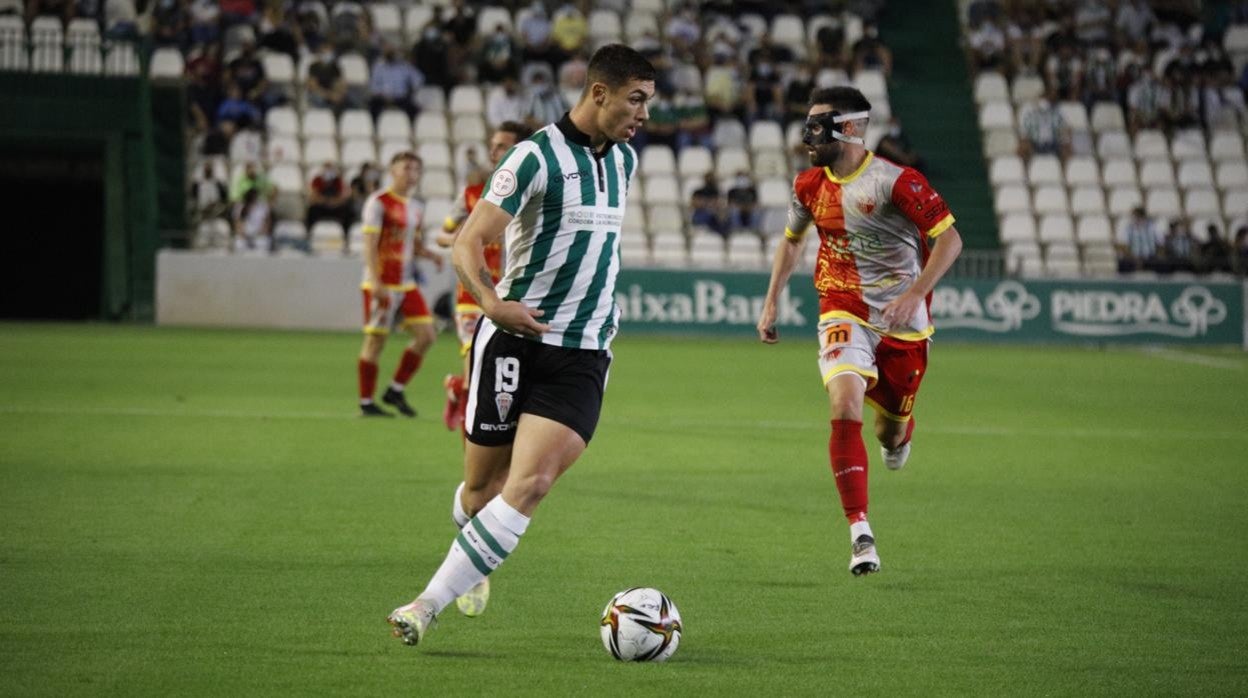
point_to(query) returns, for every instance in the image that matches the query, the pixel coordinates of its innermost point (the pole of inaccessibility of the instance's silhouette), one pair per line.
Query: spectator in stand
(217, 139)
(504, 102)
(543, 104)
(252, 227)
(210, 195)
(764, 93)
(1063, 71)
(569, 29)
(662, 125)
(1134, 20)
(325, 87)
(743, 210)
(723, 88)
(797, 93)
(1222, 101)
(57, 8)
(246, 72)
(1182, 106)
(534, 31)
(1138, 243)
(1092, 23)
(348, 29)
(1239, 253)
(870, 53)
(252, 177)
(1100, 78)
(121, 20)
(1146, 99)
(896, 147)
(279, 31)
(431, 54)
(363, 184)
(1181, 248)
(329, 198)
(695, 121)
(394, 83)
(987, 44)
(1215, 251)
(1043, 129)
(237, 12)
(498, 56)
(683, 32)
(311, 27)
(830, 45)
(462, 24)
(203, 92)
(171, 24)
(1025, 33)
(572, 75)
(238, 110)
(706, 206)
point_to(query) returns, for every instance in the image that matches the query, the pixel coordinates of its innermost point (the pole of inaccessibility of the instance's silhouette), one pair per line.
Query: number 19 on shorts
(506, 374)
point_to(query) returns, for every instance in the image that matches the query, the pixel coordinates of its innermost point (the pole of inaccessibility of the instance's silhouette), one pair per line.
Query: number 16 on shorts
(506, 382)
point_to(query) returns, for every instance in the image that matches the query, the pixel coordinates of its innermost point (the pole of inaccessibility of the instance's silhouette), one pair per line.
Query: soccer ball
(641, 625)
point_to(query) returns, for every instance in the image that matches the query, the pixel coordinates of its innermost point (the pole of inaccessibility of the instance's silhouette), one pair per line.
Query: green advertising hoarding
(1004, 310)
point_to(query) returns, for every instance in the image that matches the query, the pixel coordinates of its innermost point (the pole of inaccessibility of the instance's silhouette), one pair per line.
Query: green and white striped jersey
(563, 241)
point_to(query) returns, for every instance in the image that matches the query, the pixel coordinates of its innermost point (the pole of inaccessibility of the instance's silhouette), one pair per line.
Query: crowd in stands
(1119, 126)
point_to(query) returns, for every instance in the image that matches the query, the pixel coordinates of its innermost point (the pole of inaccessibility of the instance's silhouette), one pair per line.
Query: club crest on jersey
(916, 187)
(503, 183)
(503, 402)
(866, 204)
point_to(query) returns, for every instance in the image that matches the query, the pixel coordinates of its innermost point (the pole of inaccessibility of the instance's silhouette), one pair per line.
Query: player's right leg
(378, 316)
(902, 365)
(485, 471)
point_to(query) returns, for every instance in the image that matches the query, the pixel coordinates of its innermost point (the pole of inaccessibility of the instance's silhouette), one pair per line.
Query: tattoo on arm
(466, 279)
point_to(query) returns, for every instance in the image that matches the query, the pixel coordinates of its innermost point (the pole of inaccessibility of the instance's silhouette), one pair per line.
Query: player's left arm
(916, 199)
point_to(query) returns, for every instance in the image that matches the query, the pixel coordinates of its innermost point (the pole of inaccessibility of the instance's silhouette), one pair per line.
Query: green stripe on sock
(472, 554)
(489, 539)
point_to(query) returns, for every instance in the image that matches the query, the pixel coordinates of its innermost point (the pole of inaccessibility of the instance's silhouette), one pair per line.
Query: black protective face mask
(832, 125)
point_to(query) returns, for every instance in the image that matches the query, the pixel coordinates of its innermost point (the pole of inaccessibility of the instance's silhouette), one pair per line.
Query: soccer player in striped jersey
(392, 223)
(885, 239)
(541, 353)
(467, 312)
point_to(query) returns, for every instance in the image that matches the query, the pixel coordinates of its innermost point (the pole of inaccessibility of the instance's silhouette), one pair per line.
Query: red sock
(909, 432)
(408, 365)
(367, 371)
(848, 454)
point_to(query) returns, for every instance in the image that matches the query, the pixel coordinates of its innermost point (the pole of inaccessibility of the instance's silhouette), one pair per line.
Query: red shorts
(901, 365)
(403, 308)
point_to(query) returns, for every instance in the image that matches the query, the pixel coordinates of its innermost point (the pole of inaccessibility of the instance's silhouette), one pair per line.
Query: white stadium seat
(1150, 144)
(1044, 169)
(1087, 199)
(1202, 202)
(1232, 175)
(47, 52)
(319, 123)
(1119, 172)
(1081, 171)
(1012, 198)
(1156, 173)
(355, 123)
(991, 87)
(1163, 202)
(1050, 199)
(393, 124)
(658, 159)
(1018, 227)
(1007, 169)
(82, 38)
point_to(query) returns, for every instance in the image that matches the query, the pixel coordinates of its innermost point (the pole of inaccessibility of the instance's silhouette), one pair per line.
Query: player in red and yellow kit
(467, 312)
(885, 239)
(392, 223)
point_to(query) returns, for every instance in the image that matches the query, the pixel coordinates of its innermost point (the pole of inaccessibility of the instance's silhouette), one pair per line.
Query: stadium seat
(431, 127)
(1106, 117)
(765, 134)
(387, 149)
(638, 22)
(1113, 144)
(1012, 198)
(279, 69)
(1050, 199)
(246, 146)
(1156, 173)
(466, 152)
(437, 208)
(320, 149)
(1122, 199)
(1100, 261)
(1026, 88)
(319, 123)
(1163, 202)
(1075, 116)
(282, 121)
(436, 155)
(490, 16)
(634, 224)
(831, 77)
(657, 159)
(357, 151)
(1082, 171)
(431, 98)
(694, 160)
(13, 53)
(729, 133)
(212, 234)
(1044, 169)
(1007, 169)
(1018, 227)
(1150, 144)
(121, 59)
(283, 149)
(414, 20)
(634, 247)
(1000, 142)
(605, 26)
(327, 237)
(731, 161)
(664, 220)
(1195, 173)
(438, 183)
(745, 251)
(993, 115)
(771, 163)
(1226, 146)
(393, 124)
(774, 192)
(387, 22)
(1056, 228)
(1188, 144)
(871, 83)
(1235, 203)
(47, 52)
(991, 87)
(354, 71)
(1201, 202)
(1020, 253)
(355, 123)
(82, 39)
(1119, 172)
(1232, 175)
(467, 99)
(661, 189)
(1094, 229)
(707, 250)
(1087, 199)
(166, 64)
(468, 127)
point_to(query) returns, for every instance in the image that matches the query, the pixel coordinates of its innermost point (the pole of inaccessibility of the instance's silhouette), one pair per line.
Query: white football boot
(411, 622)
(864, 559)
(895, 458)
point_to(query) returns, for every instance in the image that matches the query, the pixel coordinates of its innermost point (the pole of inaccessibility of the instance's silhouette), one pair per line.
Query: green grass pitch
(197, 512)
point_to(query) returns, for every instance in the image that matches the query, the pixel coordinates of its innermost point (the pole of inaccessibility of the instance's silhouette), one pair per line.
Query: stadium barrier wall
(321, 293)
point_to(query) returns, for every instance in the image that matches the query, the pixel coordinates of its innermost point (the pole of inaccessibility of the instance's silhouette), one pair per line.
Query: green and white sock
(458, 515)
(481, 546)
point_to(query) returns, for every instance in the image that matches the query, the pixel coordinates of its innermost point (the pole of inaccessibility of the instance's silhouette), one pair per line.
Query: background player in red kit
(885, 239)
(467, 312)
(392, 223)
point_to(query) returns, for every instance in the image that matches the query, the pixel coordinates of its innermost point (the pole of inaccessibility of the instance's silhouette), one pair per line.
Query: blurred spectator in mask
(394, 83)
(569, 29)
(706, 206)
(431, 54)
(325, 87)
(505, 102)
(543, 104)
(743, 211)
(498, 56)
(1044, 130)
(329, 197)
(896, 147)
(871, 53)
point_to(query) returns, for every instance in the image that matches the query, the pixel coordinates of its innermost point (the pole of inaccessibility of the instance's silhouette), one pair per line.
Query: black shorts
(509, 376)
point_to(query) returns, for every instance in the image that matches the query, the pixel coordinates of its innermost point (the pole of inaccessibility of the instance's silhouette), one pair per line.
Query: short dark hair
(615, 64)
(515, 128)
(842, 99)
(406, 155)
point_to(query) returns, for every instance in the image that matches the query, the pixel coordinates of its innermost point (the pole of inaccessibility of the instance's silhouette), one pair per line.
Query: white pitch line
(1188, 357)
(732, 426)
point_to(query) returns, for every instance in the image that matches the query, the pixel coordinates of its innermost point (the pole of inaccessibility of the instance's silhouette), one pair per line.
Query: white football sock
(458, 515)
(481, 546)
(858, 529)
